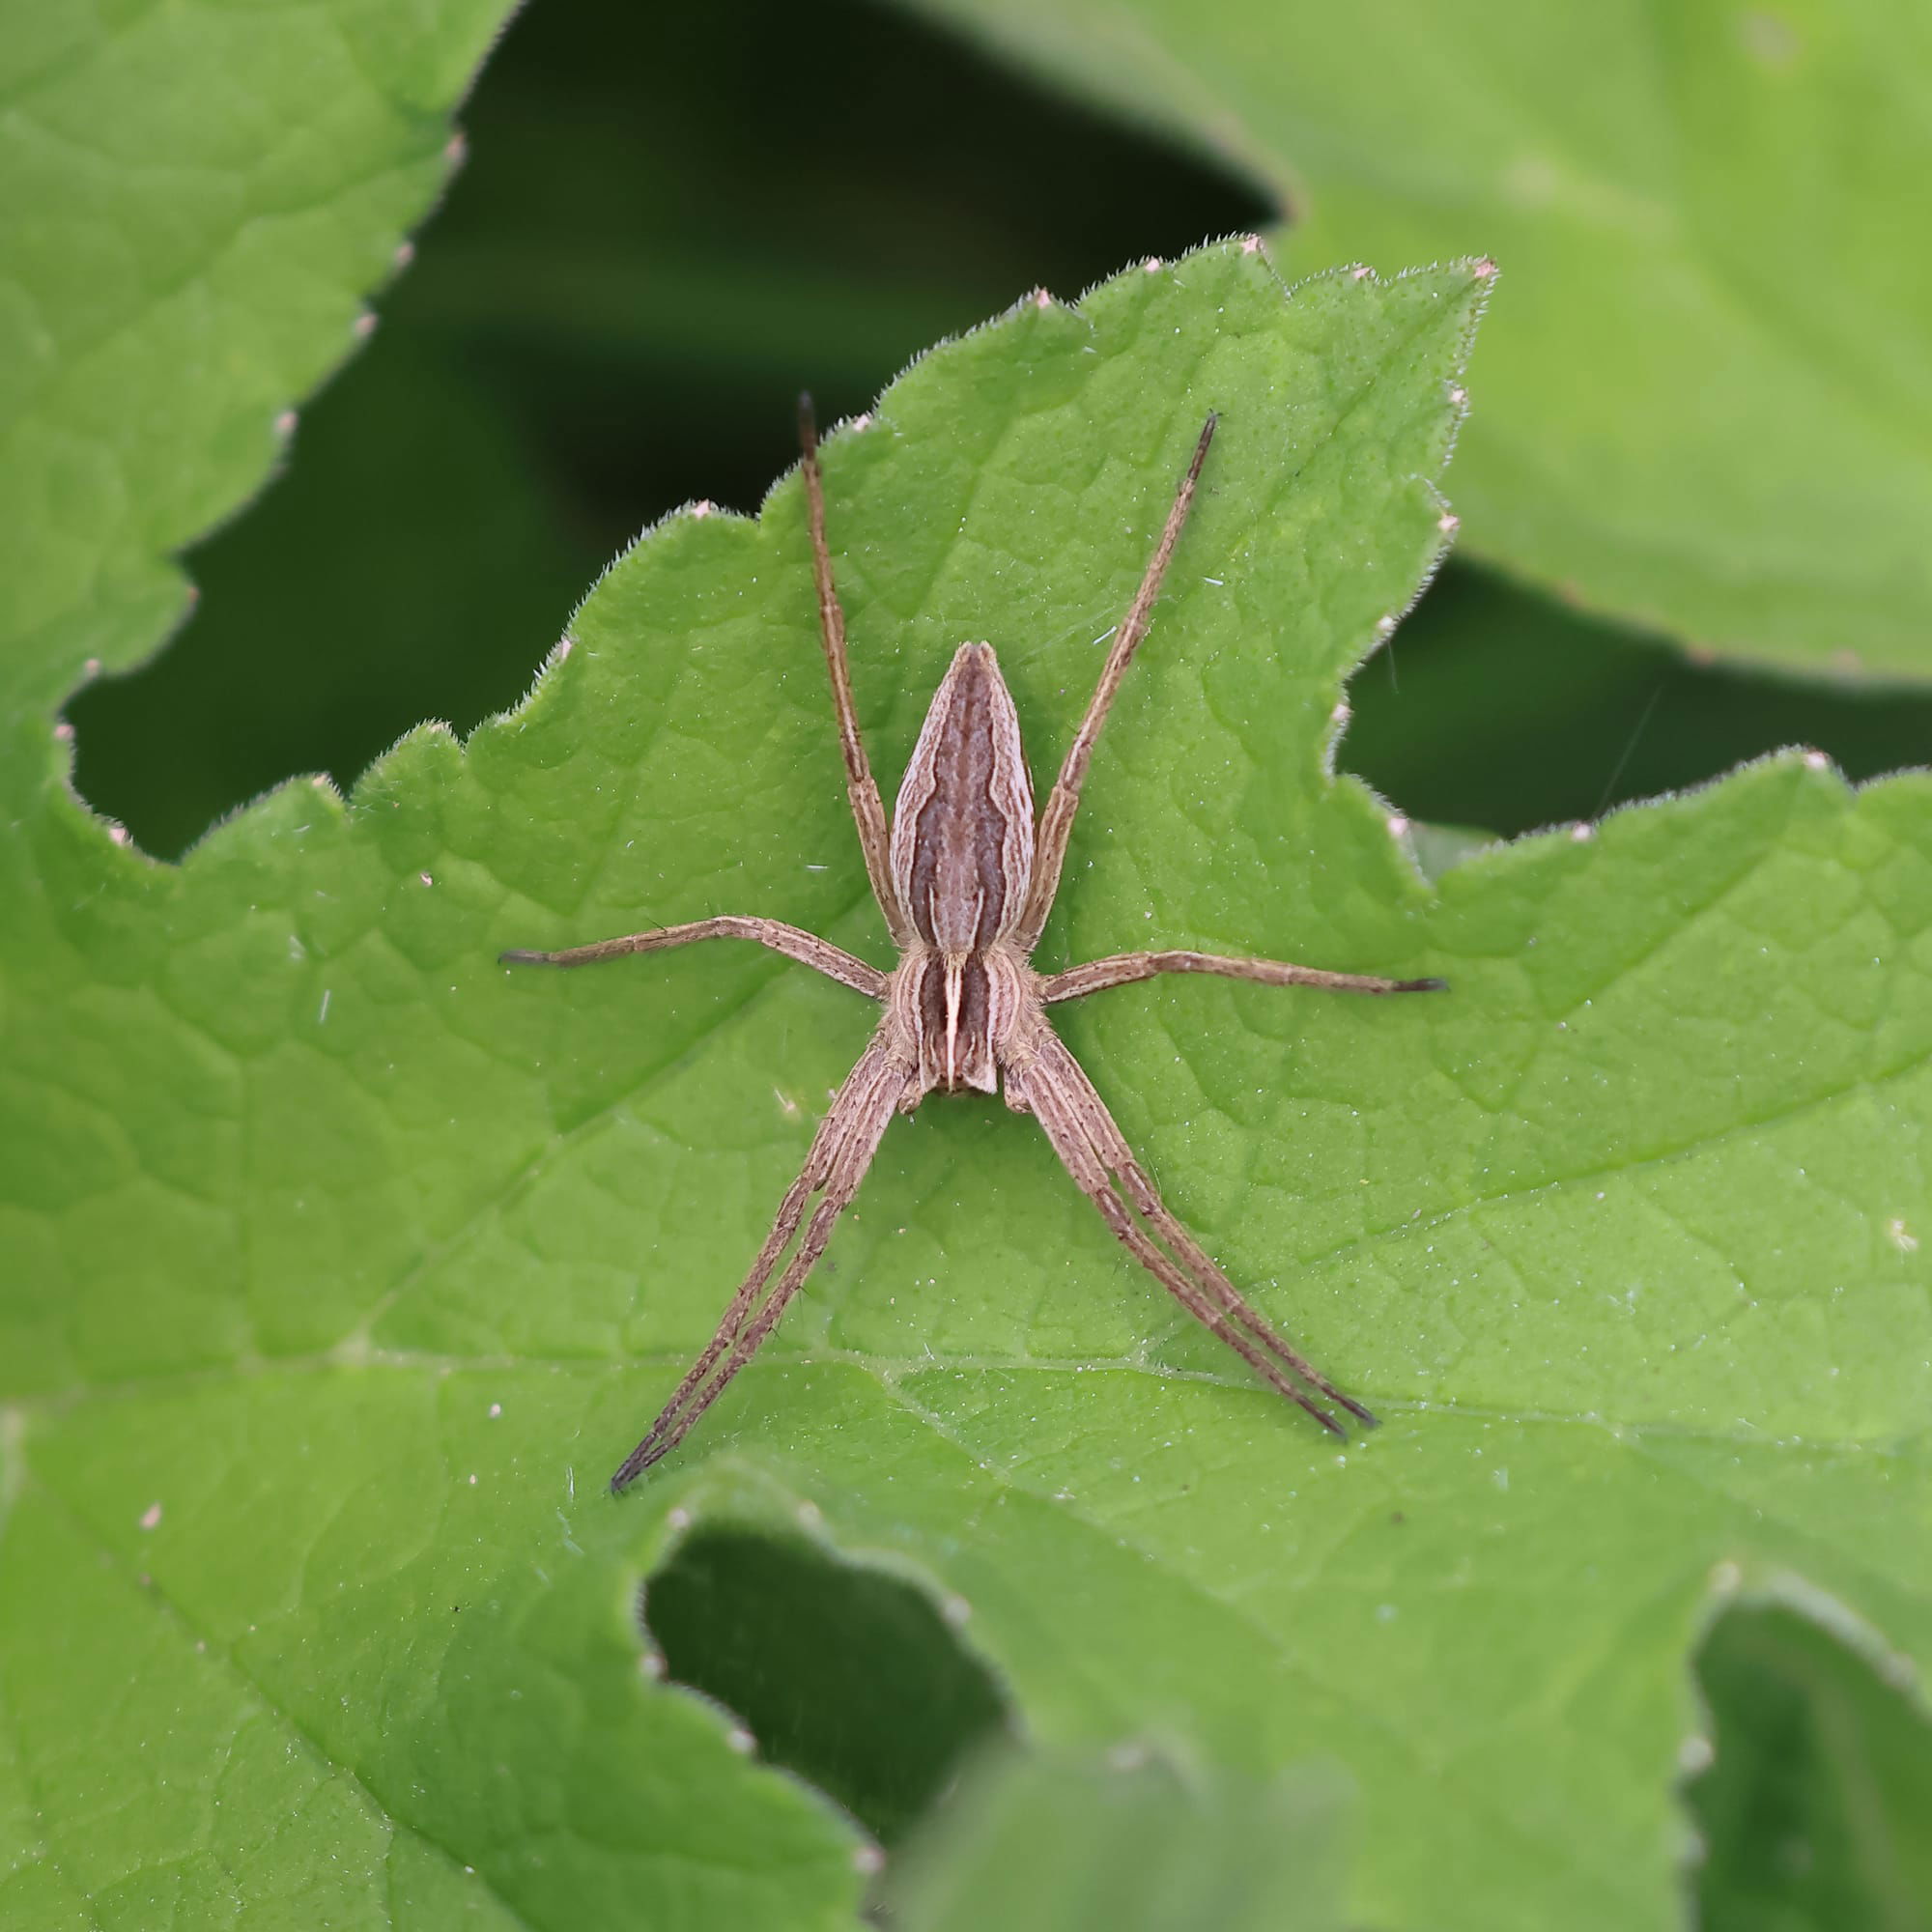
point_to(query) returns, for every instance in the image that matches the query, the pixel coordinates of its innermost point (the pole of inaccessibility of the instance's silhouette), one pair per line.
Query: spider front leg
(1063, 803)
(862, 789)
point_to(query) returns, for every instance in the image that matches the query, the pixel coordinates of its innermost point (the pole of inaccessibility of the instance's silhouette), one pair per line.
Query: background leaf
(1129, 1843)
(192, 203)
(1706, 406)
(1822, 1771)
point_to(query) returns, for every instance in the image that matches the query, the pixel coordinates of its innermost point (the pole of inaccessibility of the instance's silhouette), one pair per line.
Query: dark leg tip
(646, 1455)
(1422, 985)
(1201, 448)
(515, 958)
(1365, 1417)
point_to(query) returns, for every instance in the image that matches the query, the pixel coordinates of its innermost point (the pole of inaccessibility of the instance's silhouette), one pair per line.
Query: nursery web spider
(965, 882)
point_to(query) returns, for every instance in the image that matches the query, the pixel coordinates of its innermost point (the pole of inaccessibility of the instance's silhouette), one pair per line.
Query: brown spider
(965, 883)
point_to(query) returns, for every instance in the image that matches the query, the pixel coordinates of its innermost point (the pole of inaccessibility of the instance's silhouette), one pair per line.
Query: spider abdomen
(962, 828)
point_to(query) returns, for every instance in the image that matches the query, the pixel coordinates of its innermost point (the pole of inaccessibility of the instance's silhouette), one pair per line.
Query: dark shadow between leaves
(845, 1675)
(1814, 1806)
(1495, 706)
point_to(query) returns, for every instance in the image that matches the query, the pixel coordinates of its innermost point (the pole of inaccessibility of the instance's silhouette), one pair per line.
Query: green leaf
(1130, 1844)
(312, 1214)
(193, 201)
(1706, 402)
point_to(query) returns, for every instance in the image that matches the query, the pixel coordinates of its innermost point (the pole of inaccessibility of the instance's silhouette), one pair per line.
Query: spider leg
(1095, 1154)
(806, 947)
(1122, 969)
(1056, 822)
(862, 789)
(842, 1151)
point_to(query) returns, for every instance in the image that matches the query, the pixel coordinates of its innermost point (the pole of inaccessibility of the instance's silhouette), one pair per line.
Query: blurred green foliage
(1814, 1807)
(1129, 1843)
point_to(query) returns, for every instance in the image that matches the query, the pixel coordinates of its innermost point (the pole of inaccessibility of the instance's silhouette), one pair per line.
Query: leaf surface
(341, 1266)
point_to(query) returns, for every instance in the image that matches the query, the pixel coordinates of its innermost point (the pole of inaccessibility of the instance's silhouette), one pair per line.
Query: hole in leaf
(845, 1675)
(1813, 1809)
